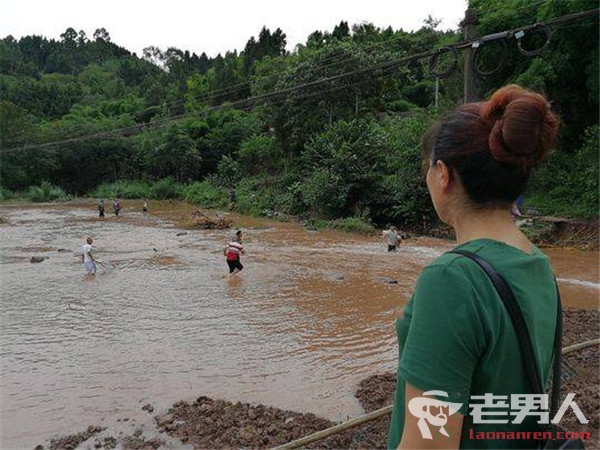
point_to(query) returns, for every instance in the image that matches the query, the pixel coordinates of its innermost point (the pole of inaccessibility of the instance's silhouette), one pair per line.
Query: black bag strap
(523, 337)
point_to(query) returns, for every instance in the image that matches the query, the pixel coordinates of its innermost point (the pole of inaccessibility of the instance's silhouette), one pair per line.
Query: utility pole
(469, 25)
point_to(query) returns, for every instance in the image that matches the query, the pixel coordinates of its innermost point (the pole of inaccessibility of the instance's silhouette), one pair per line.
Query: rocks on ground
(208, 423)
(216, 424)
(38, 259)
(148, 407)
(72, 441)
(386, 280)
(221, 424)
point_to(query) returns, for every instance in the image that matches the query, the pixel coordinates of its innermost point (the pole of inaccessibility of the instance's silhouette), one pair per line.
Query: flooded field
(309, 317)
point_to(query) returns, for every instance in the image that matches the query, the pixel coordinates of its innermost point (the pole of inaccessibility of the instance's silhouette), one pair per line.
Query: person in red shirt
(233, 251)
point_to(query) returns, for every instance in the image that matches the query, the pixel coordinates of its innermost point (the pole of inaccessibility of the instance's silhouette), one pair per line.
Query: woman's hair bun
(523, 127)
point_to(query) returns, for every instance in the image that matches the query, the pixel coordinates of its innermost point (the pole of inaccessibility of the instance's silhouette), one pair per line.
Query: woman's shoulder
(493, 251)
(522, 270)
(501, 256)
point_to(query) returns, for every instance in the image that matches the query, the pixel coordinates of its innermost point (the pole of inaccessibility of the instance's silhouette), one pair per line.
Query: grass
(348, 224)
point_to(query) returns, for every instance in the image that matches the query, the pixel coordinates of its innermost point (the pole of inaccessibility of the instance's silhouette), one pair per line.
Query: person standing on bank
(516, 207)
(101, 208)
(455, 334)
(232, 200)
(393, 238)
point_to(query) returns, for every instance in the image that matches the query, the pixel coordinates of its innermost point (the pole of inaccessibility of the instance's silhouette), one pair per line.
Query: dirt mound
(580, 325)
(586, 386)
(73, 440)
(376, 392)
(208, 423)
(204, 221)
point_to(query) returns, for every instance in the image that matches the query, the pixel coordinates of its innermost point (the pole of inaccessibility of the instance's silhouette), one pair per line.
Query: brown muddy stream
(309, 317)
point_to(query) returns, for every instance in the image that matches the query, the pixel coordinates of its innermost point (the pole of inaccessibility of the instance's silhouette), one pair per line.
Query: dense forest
(329, 130)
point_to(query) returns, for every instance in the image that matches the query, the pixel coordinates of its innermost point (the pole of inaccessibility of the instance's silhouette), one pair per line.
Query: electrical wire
(274, 100)
(414, 57)
(545, 30)
(141, 127)
(239, 87)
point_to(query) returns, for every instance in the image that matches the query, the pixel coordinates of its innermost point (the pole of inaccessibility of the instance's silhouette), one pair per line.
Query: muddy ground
(211, 424)
(543, 231)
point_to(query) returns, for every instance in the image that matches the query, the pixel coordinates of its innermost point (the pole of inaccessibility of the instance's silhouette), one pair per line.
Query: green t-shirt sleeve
(446, 337)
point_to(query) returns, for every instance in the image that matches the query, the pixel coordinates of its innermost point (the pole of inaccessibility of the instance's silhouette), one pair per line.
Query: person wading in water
(233, 251)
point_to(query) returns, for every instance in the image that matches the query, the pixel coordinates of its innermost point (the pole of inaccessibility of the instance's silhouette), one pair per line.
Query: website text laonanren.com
(529, 435)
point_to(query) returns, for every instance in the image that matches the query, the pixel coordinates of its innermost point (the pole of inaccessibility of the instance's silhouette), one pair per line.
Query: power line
(274, 97)
(241, 87)
(275, 101)
(269, 95)
(462, 45)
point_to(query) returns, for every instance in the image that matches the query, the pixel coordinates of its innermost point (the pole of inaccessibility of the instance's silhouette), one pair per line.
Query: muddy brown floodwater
(308, 319)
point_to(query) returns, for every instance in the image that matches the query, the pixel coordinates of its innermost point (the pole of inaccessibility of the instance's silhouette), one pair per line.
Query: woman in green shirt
(455, 336)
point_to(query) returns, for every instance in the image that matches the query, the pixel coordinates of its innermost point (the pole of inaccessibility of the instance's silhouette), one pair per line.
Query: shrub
(403, 197)
(45, 192)
(568, 184)
(165, 188)
(257, 195)
(6, 194)
(205, 194)
(123, 189)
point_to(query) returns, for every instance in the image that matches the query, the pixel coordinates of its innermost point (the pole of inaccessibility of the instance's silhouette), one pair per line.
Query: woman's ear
(444, 175)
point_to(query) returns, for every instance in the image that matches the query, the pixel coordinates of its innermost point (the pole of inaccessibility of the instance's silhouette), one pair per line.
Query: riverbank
(212, 423)
(543, 231)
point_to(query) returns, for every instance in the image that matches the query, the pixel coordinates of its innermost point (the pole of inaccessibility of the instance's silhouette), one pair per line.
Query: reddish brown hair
(493, 146)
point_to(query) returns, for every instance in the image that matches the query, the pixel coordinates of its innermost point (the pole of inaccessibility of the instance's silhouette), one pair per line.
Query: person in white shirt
(393, 238)
(89, 263)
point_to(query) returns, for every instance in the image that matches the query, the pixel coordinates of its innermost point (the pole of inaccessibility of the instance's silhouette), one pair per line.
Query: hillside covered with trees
(330, 130)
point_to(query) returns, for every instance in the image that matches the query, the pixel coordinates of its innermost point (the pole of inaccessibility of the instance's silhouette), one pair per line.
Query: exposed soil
(559, 232)
(73, 440)
(543, 231)
(209, 423)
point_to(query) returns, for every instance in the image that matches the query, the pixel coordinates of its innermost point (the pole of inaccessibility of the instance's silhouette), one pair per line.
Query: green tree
(260, 153)
(343, 166)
